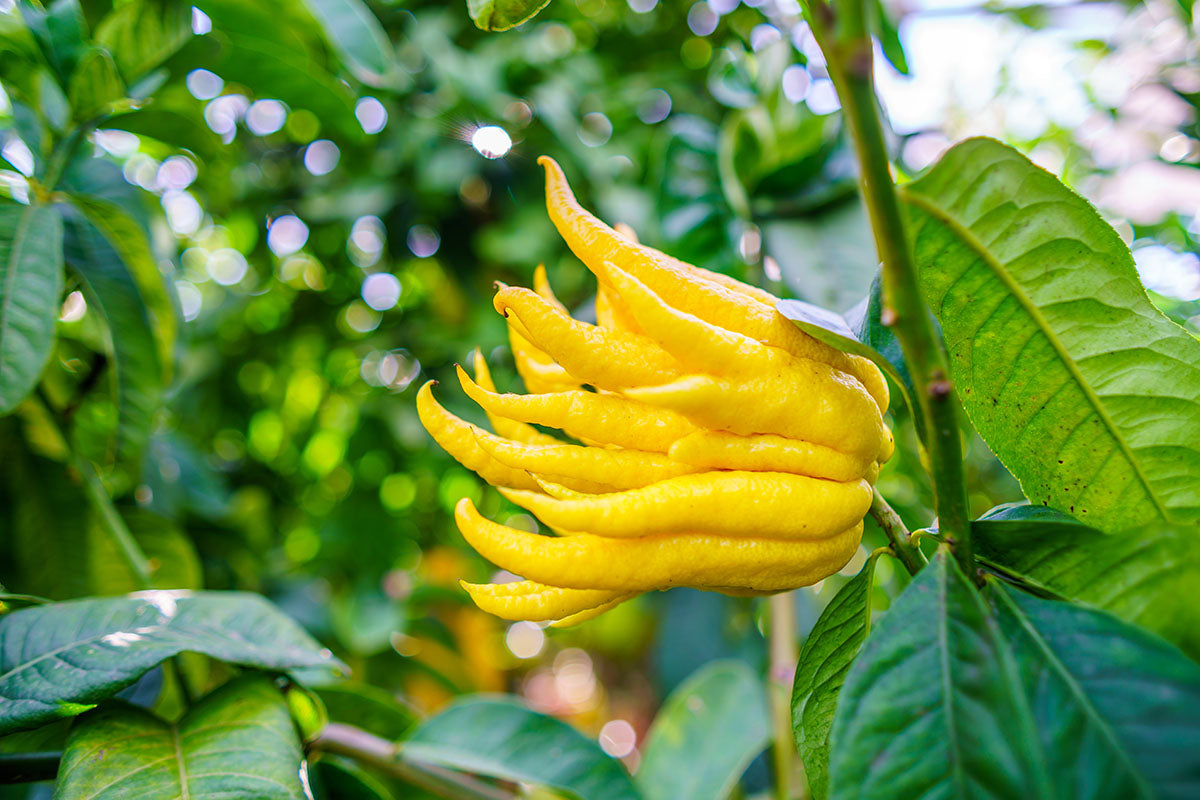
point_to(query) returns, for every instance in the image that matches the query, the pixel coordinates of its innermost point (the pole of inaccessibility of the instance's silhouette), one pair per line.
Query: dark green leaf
(342, 779)
(358, 38)
(1147, 576)
(888, 32)
(1117, 709)
(707, 732)
(500, 737)
(94, 85)
(132, 244)
(1058, 354)
(61, 32)
(171, 128)
(500, 15)
(59, 660)
(236, 742)
(142, 35)
(828, 652)
(31, 279)
(368, 707)
(109, 287)
(934, 705)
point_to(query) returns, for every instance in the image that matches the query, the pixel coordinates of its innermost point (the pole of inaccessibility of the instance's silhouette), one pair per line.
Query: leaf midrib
(1076, 691)
(1035, 315)
(943, 635)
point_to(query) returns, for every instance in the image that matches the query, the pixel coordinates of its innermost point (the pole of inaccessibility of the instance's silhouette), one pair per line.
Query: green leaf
(142, 35)
(1058, 354)
(172, 128)
(1117, 709)
(706, 734)
(59, 660)
(258, 51)
(1148, 576)
(887, 31)
(368, 707)
(31, 280)
(60, 31)
(236, 742)
(132, 244)
(170, 551)
(500, 15)
(498, 736)
(358, 38)
(826, 657)
(109, 287)
(934, 705)
(94, 85)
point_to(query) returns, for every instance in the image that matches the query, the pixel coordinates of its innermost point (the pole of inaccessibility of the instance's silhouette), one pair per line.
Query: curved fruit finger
(537, 602)
(657, 562)
(767, 505)
(604, 418)
(766, 452)
(457, 437)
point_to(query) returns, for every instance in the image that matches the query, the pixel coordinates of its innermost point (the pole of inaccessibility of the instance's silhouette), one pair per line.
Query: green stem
(383, 755)
(897, 534)
(841, 31)
(114, 526)
(62, 155)
(784, 654)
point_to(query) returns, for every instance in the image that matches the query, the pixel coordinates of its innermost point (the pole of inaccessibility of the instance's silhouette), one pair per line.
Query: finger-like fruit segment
(767, 505)
(537, 602)
(609, 359)
(541, 285)
(767, 452)
(570, 464)
(771, 402)
(657, 562)
(458, 438)
(741, 309)
(508, 428)
(592, 613)
(603, 418)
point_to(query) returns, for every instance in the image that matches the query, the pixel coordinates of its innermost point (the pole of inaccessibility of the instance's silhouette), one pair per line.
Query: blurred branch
(897, 534)
(385, 756)
(841, 31)
(784, 655)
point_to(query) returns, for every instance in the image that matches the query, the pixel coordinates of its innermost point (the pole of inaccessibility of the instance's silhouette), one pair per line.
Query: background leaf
(828, 652)
(142, 35)
(357, 37)
(109, 287)
(1149, 576)
(60, 659)
(1058, 354)
(236, 742)
(934, 705)
(1106, 695)
(31, 278)
(706, 733)
(500, 737)
(500, 15)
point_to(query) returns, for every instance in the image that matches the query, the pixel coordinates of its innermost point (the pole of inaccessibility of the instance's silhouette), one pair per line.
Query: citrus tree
(234, 235)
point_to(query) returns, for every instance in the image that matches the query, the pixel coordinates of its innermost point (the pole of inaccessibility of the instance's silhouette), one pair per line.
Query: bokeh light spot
(524, 639)
(491, 141)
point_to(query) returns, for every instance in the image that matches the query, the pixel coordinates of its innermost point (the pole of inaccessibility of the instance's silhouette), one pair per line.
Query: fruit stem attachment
(901, 545)
(840, 28)
(784, 653)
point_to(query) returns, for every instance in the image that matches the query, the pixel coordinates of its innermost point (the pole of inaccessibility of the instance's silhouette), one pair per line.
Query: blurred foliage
(280, 227)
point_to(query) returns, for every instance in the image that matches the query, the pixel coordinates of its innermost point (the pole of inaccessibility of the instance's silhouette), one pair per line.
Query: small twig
(897, 534)
(385, 756)
(784, 653)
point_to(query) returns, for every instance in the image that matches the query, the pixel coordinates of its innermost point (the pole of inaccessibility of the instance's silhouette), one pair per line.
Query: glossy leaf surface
(1057, 352)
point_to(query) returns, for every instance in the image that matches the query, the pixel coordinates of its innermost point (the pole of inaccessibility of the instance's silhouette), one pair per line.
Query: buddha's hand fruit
(722, 447)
